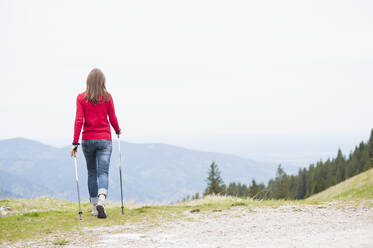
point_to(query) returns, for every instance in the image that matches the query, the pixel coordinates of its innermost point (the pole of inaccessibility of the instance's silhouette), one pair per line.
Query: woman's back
(96, 125)
(92, 109)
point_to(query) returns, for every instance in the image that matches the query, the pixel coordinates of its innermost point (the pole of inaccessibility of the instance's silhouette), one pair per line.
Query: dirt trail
(286, 226)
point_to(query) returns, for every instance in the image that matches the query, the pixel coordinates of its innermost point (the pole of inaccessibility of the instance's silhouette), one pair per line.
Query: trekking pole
(120, 175)
(77, 185)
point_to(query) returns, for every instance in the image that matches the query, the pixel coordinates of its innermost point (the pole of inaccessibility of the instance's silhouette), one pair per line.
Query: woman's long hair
(96, 87)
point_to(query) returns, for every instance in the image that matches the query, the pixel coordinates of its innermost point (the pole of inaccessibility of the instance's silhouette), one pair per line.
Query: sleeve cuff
(76, 144)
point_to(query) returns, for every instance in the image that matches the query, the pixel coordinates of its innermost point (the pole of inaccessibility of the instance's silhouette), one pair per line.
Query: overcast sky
(189, 68)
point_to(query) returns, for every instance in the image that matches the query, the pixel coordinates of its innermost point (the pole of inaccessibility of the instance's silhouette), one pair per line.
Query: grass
(61, 242)
(20, 206)
(355, 188)
(41, 222)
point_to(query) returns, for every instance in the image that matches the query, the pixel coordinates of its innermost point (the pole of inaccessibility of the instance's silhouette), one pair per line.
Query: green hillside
(357, 187)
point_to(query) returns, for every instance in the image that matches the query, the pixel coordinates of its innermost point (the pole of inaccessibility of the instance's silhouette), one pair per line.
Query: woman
(92, 109)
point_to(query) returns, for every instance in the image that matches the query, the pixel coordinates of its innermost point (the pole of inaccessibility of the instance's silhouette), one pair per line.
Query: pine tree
(253, 189)
(340, 166)
(370, 152)
(244, 192)
(232, 189)
(215, 184)
(301, 183)
(195, 196)
(315, 188)
(280, 186)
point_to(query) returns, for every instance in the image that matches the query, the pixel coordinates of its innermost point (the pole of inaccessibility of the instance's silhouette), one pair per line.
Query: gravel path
(286, 226)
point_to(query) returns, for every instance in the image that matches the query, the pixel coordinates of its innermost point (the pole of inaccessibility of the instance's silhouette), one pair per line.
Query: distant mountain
(17, 186)
(152, 172)
(7, 194)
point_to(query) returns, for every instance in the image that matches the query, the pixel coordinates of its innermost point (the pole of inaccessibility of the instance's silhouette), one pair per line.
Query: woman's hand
(120, 133)
(73, 151)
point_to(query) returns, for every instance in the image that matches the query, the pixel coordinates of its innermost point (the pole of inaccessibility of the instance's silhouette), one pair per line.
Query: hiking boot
(101, 209)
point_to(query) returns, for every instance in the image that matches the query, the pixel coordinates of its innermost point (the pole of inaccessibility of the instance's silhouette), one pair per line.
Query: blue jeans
(97, 154)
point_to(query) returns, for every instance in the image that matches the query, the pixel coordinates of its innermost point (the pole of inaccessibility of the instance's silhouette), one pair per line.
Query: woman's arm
(79, 118)
(112, 117)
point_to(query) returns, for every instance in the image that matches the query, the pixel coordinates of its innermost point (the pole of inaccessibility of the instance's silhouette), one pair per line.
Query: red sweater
(94, 118)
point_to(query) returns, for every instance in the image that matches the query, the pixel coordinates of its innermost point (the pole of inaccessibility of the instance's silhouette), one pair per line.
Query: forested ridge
(322, 175)
(314, 179)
